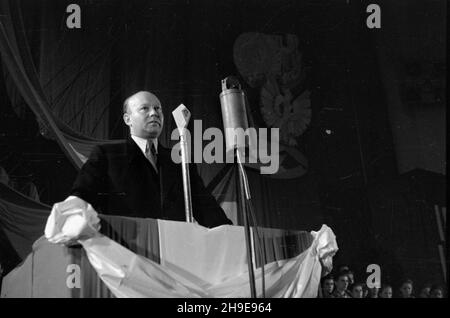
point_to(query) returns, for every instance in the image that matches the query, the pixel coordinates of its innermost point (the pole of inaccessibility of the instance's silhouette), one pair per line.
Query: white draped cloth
(195, 261)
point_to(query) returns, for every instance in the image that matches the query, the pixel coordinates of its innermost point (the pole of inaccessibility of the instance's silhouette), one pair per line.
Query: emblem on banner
(273, 64)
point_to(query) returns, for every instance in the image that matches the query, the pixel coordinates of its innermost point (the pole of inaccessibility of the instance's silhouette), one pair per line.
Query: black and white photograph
(226, 149)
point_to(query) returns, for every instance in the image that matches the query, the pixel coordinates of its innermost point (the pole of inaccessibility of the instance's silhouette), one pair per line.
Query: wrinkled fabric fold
(194, 261)
(129, 275)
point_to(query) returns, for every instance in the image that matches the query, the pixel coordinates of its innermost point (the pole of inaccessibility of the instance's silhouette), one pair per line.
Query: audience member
(341, 285)
(327, 286)
(357, 290)
(436, 292)
(373, 292)
(406, 289)
(386, 291)
(425, 292)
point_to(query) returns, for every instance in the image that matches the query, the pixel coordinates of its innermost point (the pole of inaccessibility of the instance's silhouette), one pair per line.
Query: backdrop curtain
(146, 66)
(408, 211)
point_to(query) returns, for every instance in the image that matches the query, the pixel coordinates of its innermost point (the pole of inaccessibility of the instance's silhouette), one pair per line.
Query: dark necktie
(150, 153)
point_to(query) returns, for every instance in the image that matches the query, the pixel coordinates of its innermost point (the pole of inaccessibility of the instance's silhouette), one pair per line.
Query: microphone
(234, 115)
(182, 115)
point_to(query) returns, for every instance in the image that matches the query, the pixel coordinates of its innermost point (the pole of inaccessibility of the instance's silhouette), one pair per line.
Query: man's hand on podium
(71, 220)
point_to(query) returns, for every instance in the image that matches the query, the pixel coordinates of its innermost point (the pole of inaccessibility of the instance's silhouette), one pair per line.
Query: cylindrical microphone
(234, 115)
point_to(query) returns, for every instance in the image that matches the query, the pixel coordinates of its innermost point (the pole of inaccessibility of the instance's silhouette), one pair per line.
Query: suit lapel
(132, 150)
(168, 175)
(135, 156)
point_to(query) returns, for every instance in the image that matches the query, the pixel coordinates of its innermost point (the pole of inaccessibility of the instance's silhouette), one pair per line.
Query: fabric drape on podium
(143, 258)
(210, 263)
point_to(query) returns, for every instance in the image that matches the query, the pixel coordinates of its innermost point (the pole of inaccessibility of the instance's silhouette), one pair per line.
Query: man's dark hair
(327, 277)
(436, 287)
(355, 285)
(343, 267)
(407, 281)
(341, 274)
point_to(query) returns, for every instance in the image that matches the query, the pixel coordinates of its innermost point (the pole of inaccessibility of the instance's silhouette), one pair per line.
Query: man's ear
(126, 119)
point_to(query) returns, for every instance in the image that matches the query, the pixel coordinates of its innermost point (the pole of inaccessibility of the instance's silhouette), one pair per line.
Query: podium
(58, 271)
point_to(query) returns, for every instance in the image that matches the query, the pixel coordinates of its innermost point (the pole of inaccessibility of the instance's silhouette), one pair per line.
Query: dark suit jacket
(118, 180)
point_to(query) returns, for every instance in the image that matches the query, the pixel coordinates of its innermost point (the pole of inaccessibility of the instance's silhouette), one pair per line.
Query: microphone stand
(232, 101)
(182, 115)
(186, 178)
(244, 192)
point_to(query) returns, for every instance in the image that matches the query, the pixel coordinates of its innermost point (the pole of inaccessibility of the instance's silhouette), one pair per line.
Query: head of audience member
(328, 284)
(425, 292)
(406, 289)
(351, 277)
(386, 291)
(142, 113)
(436, 291)
(373, 292)
(341, 282)
(357, 290)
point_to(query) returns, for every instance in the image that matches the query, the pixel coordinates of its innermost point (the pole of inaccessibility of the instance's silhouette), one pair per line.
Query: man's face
(437, 293)
(386, 292)
(406, 289)
(342, 283)
(425, 292)
(144, 115)
(328, 285)
(357, 292)
(374, 292)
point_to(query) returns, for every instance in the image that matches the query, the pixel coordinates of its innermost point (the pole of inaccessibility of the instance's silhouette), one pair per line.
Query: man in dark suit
(138, 178)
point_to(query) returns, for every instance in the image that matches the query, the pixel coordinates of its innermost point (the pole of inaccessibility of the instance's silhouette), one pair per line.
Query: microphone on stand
(182, 115)
(234, 116)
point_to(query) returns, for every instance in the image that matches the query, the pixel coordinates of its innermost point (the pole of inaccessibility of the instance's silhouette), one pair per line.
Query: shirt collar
(142, 143)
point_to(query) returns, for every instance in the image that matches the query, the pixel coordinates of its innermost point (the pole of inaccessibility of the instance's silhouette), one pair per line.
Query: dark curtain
(17, 58)
(74, 70)
(73, 67)
(22, 222)
(412, 60)
(406, 227)
(155, 47)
